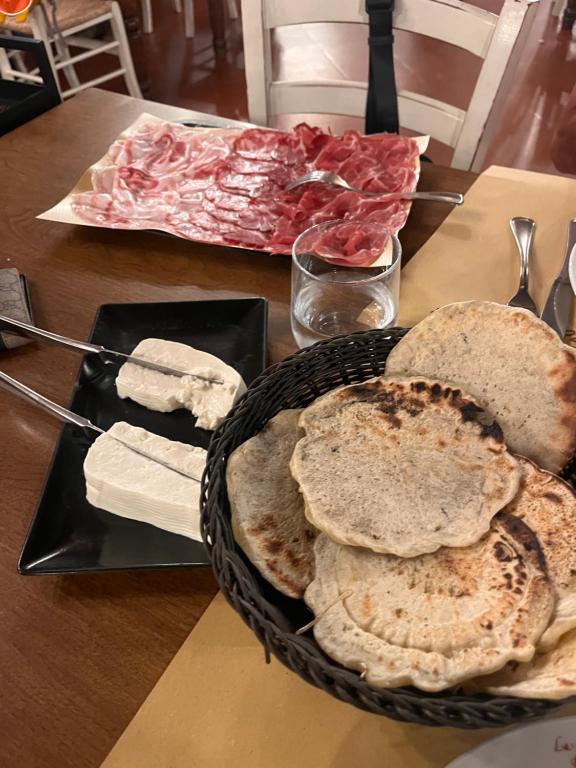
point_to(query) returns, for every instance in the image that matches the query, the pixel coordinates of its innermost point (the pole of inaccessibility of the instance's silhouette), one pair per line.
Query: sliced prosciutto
(228, 186)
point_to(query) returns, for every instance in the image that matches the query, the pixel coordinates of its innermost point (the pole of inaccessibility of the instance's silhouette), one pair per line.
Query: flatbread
(548, 506)
(434, 620)
(549, 675)
(511, 362)
(402, 466)
(267, 510)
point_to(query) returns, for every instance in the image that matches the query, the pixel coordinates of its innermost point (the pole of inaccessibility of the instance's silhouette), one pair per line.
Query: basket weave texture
(274, 618)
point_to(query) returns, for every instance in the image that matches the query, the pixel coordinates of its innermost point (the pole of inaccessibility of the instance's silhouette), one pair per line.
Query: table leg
(217, 22)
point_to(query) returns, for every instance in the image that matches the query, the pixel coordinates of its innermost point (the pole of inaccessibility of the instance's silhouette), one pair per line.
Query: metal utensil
(84, 346)
(17, 388)
(556, 312)
(328, 177)
(523, 229)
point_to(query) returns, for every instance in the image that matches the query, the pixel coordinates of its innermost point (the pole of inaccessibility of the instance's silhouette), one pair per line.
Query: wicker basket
(274, 618)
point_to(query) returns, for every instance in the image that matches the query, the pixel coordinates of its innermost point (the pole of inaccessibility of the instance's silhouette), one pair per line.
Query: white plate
(549, 744)
(572, 268)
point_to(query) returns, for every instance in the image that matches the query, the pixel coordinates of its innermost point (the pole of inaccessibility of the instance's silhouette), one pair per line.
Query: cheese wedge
(125, 483)
(157, 391)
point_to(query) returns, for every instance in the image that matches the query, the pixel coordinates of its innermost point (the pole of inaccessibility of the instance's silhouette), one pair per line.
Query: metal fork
(523, 229)
(329, 177)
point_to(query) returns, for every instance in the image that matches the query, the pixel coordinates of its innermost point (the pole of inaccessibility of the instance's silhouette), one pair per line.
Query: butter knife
(17, 388)
(32, 331)
(556, 312)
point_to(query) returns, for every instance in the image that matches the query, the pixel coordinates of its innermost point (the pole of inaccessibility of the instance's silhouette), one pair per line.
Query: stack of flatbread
(419, 514)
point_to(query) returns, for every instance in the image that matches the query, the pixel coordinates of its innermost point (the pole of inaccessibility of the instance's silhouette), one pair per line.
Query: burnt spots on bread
(469, 411)
(492, 431)
(388, 397)
(435, 392)
(503, 553)
(273, 546)
(362, 392)
(266, 524)
(553, 497)
(283, 579)
(525, 537)
(293, 559)
(567, 389)
(393, 420)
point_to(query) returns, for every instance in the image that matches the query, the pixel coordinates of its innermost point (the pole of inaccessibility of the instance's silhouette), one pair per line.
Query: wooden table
(78, 654)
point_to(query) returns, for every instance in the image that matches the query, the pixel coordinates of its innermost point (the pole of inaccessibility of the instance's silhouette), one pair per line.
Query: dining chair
(75, 19)
(486, 35)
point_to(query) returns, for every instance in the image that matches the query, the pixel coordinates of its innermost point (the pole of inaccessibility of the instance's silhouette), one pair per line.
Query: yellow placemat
(218, 704)
(473, 254)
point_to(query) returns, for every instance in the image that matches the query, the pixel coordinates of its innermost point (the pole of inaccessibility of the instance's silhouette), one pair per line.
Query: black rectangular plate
(67, 534)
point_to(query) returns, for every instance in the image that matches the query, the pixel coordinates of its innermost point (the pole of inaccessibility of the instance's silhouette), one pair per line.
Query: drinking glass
(329, 299)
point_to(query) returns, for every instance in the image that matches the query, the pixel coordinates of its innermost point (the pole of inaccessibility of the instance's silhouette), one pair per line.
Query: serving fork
(523, 229)
(31, 331)
(329, 177)
(21, 390)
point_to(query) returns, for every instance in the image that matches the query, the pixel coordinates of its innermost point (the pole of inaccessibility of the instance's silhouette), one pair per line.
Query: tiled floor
(190, 73)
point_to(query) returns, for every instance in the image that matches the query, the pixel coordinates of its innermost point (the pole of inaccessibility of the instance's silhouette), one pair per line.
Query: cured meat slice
(351, 243)
(228, 186)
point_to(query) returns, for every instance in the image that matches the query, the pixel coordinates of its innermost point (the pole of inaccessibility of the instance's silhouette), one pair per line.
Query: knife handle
(565, 272)
(24, 329)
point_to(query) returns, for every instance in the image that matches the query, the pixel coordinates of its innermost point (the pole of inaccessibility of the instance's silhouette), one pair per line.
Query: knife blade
(556, 312)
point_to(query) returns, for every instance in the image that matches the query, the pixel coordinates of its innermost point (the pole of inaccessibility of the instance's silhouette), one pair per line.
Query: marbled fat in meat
(227, 185)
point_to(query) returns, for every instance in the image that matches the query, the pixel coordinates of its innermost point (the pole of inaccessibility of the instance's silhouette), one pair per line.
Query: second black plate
(69, 535)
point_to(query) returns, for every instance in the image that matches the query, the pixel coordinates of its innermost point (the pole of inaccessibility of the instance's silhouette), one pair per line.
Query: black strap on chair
(382, 103)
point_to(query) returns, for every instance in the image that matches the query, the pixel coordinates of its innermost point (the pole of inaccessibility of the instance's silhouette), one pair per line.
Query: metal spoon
(523, 229)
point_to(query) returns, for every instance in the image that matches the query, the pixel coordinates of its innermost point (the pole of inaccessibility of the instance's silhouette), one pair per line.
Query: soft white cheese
(210, 403)
(125, 483)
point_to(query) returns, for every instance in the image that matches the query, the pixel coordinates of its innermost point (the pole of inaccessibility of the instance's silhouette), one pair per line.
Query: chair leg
(6, 71)
(119, 32)
(40, 32)
(177, 5)
(63, 54)
(233, 9)
(19, 62)
(189, 21)
(147, 21)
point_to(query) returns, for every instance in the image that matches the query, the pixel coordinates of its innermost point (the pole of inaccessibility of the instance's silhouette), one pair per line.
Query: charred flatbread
(402, 466)
(435, 620)
(267, 510)
(548, 506)
(511, 362)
